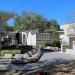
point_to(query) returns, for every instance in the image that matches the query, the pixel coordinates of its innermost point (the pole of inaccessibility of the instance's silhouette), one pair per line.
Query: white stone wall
(31, 39)
(69, 30)
(24, 40)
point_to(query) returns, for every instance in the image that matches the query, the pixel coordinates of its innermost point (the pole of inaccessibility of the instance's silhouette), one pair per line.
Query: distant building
(67, 36)
(46, 36)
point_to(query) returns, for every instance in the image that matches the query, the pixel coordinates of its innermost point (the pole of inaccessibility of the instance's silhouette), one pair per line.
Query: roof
(4, 16)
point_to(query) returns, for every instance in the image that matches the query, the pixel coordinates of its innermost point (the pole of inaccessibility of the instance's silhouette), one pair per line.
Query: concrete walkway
(46, 60)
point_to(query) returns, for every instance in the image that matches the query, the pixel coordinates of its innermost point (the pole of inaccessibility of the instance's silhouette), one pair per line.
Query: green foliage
(56, 41)
(5, 52)
(10, 52)
(54, 25)
(46, 44)
(15, 52)
(6, 28)
(33, 21)
(9, 28)
(30, 21)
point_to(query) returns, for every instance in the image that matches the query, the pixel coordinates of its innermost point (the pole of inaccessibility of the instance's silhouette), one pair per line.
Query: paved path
(46, 60)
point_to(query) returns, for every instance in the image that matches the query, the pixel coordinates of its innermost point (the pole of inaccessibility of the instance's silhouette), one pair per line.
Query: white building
(68, 38)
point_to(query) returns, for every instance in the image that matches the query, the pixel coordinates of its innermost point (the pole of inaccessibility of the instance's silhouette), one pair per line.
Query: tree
(46, 44)
(29, 21)
(56, 41)
(6, 28)
(54, 25)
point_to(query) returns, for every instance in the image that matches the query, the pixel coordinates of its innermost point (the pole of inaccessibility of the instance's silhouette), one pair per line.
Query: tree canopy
(6, 27)
(28, 21)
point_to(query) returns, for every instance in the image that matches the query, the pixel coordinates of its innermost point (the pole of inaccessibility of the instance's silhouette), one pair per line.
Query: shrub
(56, 41)
(15, 52)
(46, 44)
(5, 52)
(9, 52)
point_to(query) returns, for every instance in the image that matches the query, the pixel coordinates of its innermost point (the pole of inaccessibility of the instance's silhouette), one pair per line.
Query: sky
(60, 10)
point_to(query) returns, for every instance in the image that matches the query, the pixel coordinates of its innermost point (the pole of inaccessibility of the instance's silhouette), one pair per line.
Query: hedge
(2, 52)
